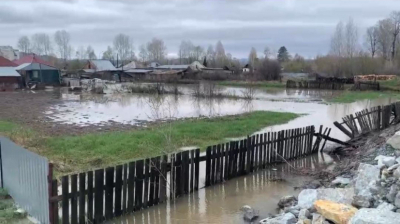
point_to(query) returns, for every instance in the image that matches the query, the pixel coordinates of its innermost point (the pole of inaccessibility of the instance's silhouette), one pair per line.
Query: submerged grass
(353, 96)
(264, 84)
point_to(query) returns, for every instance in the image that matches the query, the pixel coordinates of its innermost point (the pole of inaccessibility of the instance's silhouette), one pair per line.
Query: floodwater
(221, 203)
(137, 109)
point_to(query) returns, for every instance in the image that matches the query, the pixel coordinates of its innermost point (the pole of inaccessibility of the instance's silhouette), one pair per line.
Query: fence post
(379, 117)
(50, 188)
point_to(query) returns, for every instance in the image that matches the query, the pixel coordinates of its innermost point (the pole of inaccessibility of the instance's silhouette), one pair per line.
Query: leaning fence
(368, 120)
(96, 196)
(25, 175)
(315, 85)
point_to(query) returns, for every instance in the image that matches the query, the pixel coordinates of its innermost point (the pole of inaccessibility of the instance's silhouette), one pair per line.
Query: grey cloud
(303, 26)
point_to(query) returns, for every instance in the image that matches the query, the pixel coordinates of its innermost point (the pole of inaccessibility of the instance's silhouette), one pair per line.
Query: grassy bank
(76, 153)
(353, 96)
(264, 84)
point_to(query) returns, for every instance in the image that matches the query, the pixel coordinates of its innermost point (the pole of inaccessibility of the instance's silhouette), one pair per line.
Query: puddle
(221, 203)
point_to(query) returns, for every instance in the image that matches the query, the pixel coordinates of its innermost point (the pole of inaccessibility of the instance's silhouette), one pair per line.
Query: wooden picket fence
(366, 86)
(96, 196)
(368, 120)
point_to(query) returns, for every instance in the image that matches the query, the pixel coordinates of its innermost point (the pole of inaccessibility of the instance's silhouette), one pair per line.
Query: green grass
(352, 96)
(7, 127)
(263, 84)
(390, 84)
(90, 151)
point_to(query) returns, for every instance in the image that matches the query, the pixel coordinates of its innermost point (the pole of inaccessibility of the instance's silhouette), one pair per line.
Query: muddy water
(221, 203)
(137, 109)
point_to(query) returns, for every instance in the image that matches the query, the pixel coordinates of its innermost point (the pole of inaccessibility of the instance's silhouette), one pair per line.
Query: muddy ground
(27, 109)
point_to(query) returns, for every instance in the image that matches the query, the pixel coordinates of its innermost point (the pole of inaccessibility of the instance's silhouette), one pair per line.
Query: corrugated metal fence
(25, 176)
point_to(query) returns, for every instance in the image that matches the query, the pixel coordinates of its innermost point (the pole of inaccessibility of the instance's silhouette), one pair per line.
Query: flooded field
(137, 109)
(221, 203)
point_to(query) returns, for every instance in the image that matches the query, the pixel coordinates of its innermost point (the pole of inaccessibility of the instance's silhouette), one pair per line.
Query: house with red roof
(35, 70)
(10, 79)
(32, 58)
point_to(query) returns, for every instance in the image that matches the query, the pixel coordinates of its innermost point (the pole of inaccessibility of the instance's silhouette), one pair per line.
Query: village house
(10, 79)
(35, 70)
(101, 69)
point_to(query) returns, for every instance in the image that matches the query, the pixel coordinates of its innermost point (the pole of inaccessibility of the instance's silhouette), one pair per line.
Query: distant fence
(96, 196)
(25, 175)
(366, 121)
(367, 86)
(315, 85)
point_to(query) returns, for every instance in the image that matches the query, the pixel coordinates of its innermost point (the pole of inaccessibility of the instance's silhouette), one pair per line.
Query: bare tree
(156, 49)
(62, 39)
(384, 38)
(252, 57)
(24, 44)
(108, 54)
(267, 52)
(90, 53)
(337, 41)
(123, 45)
(395, 17)
(143, 53)
(210, 56)
(81, 53)
(220, 56)
(371, 39)
(351, 38)
(41, 44)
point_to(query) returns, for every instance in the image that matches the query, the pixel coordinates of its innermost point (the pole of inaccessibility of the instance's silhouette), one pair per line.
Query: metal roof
(4, 62)
(8, 72)
(138, 71)
(173, 67)
(34, 66)
(103, 65)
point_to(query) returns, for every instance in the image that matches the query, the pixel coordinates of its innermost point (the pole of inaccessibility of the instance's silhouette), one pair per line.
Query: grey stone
(392, 193)
(361, 201)
(394, 141)
(340, 195)
(245, 208)
(341, 181)
(287, 218)
(389, 161)
(365, 175)
(250, 215)
(397, 200)
(394, 167)
(386, 207)
(295, 211)
(397, 153)
(375, 216)
(396, 173)
(317, 219)
(287, 201)
(304, 214)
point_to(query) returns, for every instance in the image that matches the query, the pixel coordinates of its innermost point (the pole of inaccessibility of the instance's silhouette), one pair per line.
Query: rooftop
(4, 62)
(8, 72)
(103, 65)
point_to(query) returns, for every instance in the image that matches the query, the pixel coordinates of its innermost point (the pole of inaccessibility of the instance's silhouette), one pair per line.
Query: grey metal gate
(24, 175)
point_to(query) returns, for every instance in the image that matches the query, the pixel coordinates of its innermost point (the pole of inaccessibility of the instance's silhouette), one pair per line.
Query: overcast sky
(303, 26)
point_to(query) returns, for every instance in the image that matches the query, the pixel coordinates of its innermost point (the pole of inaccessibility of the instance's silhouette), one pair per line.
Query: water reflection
(221, 203)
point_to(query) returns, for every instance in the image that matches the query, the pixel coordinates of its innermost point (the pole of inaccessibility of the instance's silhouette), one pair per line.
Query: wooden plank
(248, 153)
(150, 194)
(191, 186)
(226, 162)
(179, 176)
(157, 181)
(253, 142)
(172, 176)
(139, 185)
(131, 187)
(74, 201)
(109, 194)
(146, 181)
(98, 195)
(82, 198)
(124, 188)
(90, 196)
(54, 185)
(208, 166)
(163, 180)
(65, 200)
(268, 149)
(213, 164)
(218, 162)
(243, 146)
(197, 170)
(118, 190)
(255, 149)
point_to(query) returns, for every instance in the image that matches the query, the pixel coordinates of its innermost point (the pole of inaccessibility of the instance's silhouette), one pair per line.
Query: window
(35, 75)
